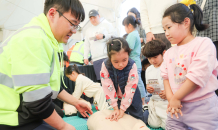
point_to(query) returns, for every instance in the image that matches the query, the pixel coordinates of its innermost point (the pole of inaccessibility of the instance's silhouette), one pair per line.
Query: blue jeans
(141, 85)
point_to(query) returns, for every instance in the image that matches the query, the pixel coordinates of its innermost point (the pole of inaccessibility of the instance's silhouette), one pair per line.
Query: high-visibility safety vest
(68, 54)
(77, 53)
(29, 68)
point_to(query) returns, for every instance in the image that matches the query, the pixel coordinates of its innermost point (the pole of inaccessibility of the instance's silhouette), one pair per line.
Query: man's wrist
(149, 33)
(75, 103)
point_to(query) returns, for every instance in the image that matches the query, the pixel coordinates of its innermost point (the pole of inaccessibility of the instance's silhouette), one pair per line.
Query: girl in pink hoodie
(189, 71)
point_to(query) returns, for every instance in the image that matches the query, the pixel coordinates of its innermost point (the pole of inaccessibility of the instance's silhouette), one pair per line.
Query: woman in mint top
(133, 40)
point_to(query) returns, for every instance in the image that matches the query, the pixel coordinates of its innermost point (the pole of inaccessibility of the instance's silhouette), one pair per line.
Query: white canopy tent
(16, 13)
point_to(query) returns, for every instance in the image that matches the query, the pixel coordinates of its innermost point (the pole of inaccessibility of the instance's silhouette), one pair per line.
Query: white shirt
(98, 48)
(152, 14)
(153, 73)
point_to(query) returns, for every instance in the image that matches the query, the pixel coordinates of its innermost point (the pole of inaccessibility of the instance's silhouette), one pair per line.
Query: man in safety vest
(30, 69)
(76, 52)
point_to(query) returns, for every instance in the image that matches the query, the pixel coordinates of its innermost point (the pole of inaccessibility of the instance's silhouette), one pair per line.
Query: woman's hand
(142, 40)
(149, 37)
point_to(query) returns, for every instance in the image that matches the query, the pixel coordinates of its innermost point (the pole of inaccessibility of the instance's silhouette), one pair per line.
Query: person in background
(145, 65)
(189, 71)
(134, 12)
(95, 40)
(84, 85)
(210, 17)
(151, 17)
(30, 69)
(125, 36)
(76, 54)
(65, 58)
(157, 106)
(133, 40)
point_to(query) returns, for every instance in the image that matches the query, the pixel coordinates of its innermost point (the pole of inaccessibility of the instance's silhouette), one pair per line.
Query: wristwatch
(103, 36)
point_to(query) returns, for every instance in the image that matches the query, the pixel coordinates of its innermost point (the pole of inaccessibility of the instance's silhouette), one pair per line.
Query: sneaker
(144, 107)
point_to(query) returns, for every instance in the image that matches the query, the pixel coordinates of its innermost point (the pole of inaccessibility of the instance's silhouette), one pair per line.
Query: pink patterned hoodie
(111, 95)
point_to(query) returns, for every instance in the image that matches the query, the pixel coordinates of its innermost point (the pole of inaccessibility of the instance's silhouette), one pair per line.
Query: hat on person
(93, 13)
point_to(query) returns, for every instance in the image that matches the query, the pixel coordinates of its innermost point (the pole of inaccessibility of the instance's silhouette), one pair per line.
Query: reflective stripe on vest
(6, 80)
(28, 79)
(36, 94)
(31, 79)
(78, 51)
(39, 94)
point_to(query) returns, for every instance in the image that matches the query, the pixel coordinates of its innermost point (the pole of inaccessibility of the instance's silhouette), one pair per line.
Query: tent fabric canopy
(14, 14)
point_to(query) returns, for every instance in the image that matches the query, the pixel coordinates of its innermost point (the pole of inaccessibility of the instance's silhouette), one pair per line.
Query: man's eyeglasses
(77, 27)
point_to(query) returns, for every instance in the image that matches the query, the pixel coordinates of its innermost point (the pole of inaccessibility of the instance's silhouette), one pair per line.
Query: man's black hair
(63, 6)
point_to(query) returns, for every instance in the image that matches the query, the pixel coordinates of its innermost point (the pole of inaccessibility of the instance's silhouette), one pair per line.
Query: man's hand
(86, 61)
(99, 36)
(68, 127)
(163, 94)
(149, 37)
(82, 107)
(141, 39)
(150, 89)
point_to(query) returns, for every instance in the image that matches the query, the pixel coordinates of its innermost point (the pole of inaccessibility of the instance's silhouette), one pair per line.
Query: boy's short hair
(153, 48)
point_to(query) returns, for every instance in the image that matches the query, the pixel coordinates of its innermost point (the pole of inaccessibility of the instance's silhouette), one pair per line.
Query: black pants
(59, 111)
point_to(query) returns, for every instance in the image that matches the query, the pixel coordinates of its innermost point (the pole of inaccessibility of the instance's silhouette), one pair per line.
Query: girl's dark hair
(131, 20)
(125, 35)
(63, 6)
(153, 48)
(71, 68)
(136, 12)
(179, 12)
(115, 45)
